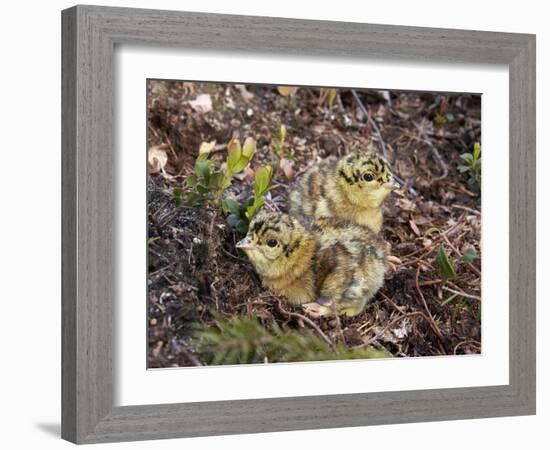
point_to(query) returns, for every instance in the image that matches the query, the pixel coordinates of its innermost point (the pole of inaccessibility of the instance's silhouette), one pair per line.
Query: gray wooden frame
(89, 37)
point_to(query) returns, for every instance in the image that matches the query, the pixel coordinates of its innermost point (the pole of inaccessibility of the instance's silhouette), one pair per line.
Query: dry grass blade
(434, 326)
(462, 293)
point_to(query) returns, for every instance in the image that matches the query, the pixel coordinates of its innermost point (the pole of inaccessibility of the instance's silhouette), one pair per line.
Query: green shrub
(242, 340)
(208, 181)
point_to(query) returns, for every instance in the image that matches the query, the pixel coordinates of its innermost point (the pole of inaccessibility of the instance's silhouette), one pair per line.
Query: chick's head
(276, 244)
(366, 179)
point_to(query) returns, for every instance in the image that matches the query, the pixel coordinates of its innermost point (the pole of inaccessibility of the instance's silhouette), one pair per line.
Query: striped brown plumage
(352, 188)
(330, 258)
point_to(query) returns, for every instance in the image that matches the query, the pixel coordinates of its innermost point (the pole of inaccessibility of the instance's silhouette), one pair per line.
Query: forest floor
(194, 268)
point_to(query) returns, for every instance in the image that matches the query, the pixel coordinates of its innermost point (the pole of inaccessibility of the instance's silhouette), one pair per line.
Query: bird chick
(333, 265)
(350, 188)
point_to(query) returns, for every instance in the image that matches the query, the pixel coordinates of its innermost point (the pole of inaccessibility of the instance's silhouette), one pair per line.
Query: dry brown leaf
(287, 91)
(414, 227)
(405, 204)
(202, 104)
(319, 129)
(421, 220)
(426, 242)
(157, 158)
(245, 94)
(287, 167)
(207, 147)
(402, 331)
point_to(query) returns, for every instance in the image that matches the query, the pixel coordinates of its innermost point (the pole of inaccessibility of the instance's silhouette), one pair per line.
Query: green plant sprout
(238, 215)
(472, 165)
(279, 143)
(327, 95)
(208, 181)
(447, 266)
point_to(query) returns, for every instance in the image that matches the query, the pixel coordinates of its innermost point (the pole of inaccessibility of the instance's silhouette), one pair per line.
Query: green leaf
(202, 189)
(242, 227)
(216, 180)
(251, 209)
(463, 169)
(234, 153)
(332, 95)
(178, 195)
(371, 352)
(262, 179)
(469, 255)
(237, 223)
(430, 231)
(446, 266)
(233, 220)
(202, 168)
(282, 133)
(241, 164)
(232, 206)
(467, 157)
(191, 181)
(203, 157)
(248, 150)
(477, 150)
(440, 120)
(249, 147)
(192, 198)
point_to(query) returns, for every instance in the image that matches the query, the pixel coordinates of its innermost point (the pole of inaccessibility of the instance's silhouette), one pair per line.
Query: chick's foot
(323, 307)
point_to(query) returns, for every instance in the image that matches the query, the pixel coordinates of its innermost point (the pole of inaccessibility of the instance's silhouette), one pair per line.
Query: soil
(195, 269)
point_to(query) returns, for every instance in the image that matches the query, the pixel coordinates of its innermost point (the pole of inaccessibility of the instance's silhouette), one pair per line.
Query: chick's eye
(368, 177)
(271, 242)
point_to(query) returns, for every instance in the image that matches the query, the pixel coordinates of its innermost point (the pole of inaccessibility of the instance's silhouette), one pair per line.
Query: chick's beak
(245, 244)
(392, 185)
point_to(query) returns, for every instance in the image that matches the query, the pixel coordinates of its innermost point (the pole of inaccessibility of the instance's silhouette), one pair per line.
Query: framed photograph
(277, 224)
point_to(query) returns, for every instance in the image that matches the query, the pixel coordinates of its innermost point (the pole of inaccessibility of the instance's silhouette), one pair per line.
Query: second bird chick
(340, 267)
(350, 188)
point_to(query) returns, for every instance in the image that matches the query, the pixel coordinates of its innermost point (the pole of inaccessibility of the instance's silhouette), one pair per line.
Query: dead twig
(304, 319)
(399, 309)
(469, 341)
(423, 137)
(465, 208)
(162, 269)
(389, 325)
(462, 293)
(371, 122)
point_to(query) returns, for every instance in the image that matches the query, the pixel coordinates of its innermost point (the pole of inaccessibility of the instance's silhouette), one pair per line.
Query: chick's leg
(354, 299)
